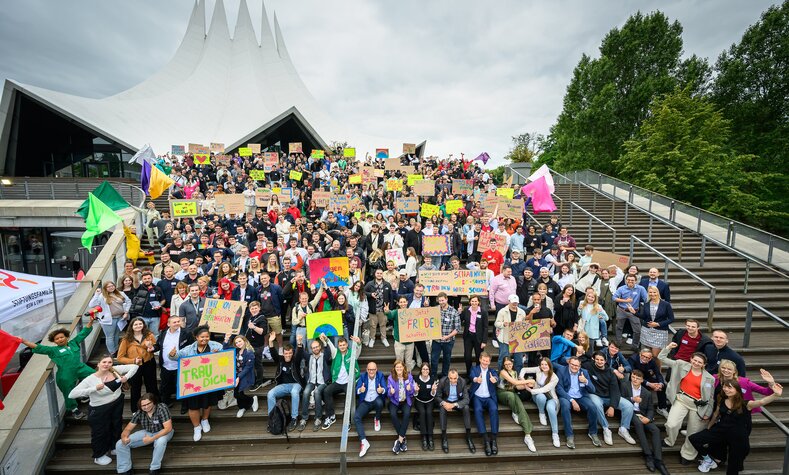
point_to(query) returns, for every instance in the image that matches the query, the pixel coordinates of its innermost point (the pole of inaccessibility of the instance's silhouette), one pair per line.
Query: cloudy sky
(461, 74)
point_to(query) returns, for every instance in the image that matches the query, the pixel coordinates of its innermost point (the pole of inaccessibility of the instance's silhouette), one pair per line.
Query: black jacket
(647, 405)
(606, 384)
(184, 339)
(294, 367)
(481, 333)
(714, 357)
(414, 239)
(369, 288)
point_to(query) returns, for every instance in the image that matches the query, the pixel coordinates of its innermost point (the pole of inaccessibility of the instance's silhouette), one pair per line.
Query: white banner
(27, 302)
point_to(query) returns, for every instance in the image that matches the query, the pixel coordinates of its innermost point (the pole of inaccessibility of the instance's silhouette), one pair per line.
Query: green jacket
(66, 357)
(345, 360)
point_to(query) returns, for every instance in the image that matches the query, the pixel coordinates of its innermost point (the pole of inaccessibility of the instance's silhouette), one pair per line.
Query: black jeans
(106, 425)
(425, 411)
(167, 384)
(145, 374)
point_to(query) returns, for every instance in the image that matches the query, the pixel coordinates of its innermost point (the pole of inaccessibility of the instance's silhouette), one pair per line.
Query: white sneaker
(370, 345)
(103, 460)
(377, 426)
(598, 343)
(707, 464)
(205, 425)
(605, 341)
(608, 437)
(113, 453)
(240, 413)
(495, 343)
(625, 434)
(385, 342)
(543, 419)
(555, 438)
(198, 434)
(255, 405)
(515, 418)
(364, 448)
(629, 341)
(529, 443)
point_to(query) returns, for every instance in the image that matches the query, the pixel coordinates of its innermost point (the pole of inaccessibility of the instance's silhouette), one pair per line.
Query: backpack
(279, 418)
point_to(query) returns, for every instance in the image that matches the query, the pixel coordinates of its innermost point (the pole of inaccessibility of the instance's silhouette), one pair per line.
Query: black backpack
(279, 419)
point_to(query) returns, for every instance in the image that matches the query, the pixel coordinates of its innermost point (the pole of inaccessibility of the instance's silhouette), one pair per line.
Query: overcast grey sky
(464, 75)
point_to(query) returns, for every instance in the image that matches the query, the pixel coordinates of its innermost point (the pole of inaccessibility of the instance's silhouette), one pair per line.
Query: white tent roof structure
(214, 89)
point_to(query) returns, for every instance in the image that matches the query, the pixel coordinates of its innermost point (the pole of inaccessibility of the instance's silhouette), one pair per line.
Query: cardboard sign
(183, 208)
(269, 160)
(255, 147)
(244, 151)
(407, 205)
(201, 159)
(381, 153)
(606, 259)
(215, 147)
(178, 150)
(462, 187)
(511, 208)
(368, 174)
(294, 147)
(285, 194)
(328, 323)
(392, 163)
(409, 148)
(294, 175)
(223, 316)
(419, 324)
(452, 206)
(263, 198)
(525, 336)
(226, 204)
(194, 148)
(379, 173)
(349, 153)
(338, 202)
(428, 210)
(206, 373)
(413, 179)
(333, 269)
(317, 154)
(508, 193)
(396, 256)
(484, 242)
(436, 246)
(425, 188)
(454, 282)
(257, 175)
(393, 184)
(222, 160)
(355, 179)
(321, 198)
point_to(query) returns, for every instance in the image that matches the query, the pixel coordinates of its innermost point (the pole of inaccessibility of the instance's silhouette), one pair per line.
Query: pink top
(501, 289)
(748, 388)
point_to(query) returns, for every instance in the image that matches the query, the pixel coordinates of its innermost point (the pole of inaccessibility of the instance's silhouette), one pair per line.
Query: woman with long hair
(115, 307)
(656, 315)
(400, 390)
(348, 317)
(127, 286)
(272, 266)
(565, 276)
(593, 318)
(565, 314)
(226, 271)
(727, 371)
(357, 300)
(426, 385)
(543, 392)
(104, 389)
(254, 270)
(411, 263)
(137, 347)
(180, 296)
(245, 373)
(507, 395)
(583, 341)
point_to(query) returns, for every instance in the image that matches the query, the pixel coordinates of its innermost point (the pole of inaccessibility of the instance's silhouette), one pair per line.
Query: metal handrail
(593, 218)
(748, 260)
(746, 336)
(666, 261)
(350, 398)
(780, 426)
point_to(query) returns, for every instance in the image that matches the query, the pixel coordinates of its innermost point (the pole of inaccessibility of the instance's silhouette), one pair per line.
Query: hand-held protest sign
(462, 187)
(333, 269)
(194, 148)
(184, 208)
(328, 323)
(255, 147)
(511, 208)
(454, 282)
(226, 204)
(453, 206)
(269, 160)
(178, 150)
(394, 184)
(223, 316)
(407, 205)
(381, 153)
(262, 197)
(525, 336)
(257, 175)
(317, 154)
(222, 160)
(436, 246)
(484, 242)
(244, 152)
(606, 259)
(428, 211)
(413, 179)
(206, 373)
(395, 255)
(425, 187)
(409, 148)
(294, 147)
(419, 324)
(349, 152)
(505, 192)
(321, 198)
(295, 175)
(216, 147)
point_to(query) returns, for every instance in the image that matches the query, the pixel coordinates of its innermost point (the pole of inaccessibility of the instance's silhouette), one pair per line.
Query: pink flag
(540, 193)
(484, 157)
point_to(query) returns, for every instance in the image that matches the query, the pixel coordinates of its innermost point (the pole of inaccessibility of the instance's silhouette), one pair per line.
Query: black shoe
(129, 472)
(661, 467)
(494, 448)
(488, 450)
(424, 442)
(417, 428)
(183, 410)
(471, 447)
(685, 461)
(430, 445)
(153, 472)
(650, 463)
(444, 444)
(292, 425)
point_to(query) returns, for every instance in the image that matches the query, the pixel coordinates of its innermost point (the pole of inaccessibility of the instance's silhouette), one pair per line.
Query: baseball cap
(513, 299)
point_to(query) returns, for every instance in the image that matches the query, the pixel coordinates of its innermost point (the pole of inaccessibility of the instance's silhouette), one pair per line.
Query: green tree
(526, 147)
(682, 150)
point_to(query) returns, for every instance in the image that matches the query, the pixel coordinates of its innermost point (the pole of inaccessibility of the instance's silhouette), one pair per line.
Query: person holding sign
(199, 405)
(403, 351)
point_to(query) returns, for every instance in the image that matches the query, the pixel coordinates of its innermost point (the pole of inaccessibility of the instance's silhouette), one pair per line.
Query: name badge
(152, 295)
(684, 342)
(63, 350)
(156, 421)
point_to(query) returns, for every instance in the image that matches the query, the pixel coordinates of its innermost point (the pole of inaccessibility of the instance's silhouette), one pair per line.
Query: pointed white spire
(218, 29)
(244, 30)
(266, 38)
(281, 49)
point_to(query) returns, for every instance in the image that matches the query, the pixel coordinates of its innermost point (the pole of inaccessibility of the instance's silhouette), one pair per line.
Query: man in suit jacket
(644, 421)
(174, 337)
(483, 395)
(452, 396)
(371, 393)
(249, 291)
(574, 389)
(653, 279)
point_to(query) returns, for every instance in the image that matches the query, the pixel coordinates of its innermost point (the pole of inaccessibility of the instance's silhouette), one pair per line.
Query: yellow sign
(413, 179)
(206, 373)
(394, 184)
(201, 159)
(245, 151)
(429, 210)
(257, 175)
(317, 154)
(349, 152)
(355, 179)
(505, 192)
(183, 208)
(294, 175)
(453, 206)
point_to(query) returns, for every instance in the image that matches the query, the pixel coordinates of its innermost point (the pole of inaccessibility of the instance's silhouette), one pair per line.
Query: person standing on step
(288, 378)
(157, 429)
(474, 320)
(147, 303)
(245, 373)
(450, 327)
(370, 393)
(424, 400)
(400, 391)
(173, 337)
(379, 293)
(340, 374)
(452, 396)
(137, 347)
(403, 351)
(656, 315)
(115, 307)
(644, 421)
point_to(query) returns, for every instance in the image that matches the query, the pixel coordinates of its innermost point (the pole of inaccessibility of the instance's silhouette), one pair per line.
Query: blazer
(679, 369)
(664, 315)
(442, 393)
(380, 380)
(476, 370)
(184, 339)
(409, 394)
(563, 372)
(246, 376)
(647, 405)
(662, 287)
(250, 294)
(480, 334)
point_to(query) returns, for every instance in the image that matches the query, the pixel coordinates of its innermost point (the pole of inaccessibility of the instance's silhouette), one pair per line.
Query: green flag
(100, 218)
(108, 195)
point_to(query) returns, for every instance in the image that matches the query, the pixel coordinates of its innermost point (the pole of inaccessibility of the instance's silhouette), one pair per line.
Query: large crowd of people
(262, 257)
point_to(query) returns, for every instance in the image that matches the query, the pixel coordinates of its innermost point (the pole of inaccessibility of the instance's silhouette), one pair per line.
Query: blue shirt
(453, 393)
(575, 386)
(637, 293)
(561, 348)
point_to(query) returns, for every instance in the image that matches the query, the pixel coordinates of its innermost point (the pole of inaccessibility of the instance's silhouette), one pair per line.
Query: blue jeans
(305, 400)
(517, 358)
(624, 405)
(492, 406)
(135, 440)
(282, 390)
(547, 405)
(441, 348)
(153, 324)
(363, 409)
(586, 404)
(112, 335)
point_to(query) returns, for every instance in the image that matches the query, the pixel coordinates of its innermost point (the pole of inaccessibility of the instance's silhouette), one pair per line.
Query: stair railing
(592, 218)
(748, 260)
(350, 398)
(746, 335)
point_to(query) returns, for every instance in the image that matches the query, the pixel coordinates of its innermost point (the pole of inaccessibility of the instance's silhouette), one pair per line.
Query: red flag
(8, 345)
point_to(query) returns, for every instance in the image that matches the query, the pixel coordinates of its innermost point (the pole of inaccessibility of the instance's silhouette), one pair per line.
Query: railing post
(651, 195)
(681, 242)
(627, 209)
(672, 210)
(589, 239)
(52, 190)
(733, 235)
(651, 219)
(746, 335)
(600, 181)
(665, 270)
(632, 243)
(703, 250)
(613, 242)
(571, 213)
(698, 224)
(630, 195)
(27, 191)
(728, 233)
(350, 397)
(52, 400)
(747, 275)
(711, 310)
(55, 302)
(613, 209)
(770, 250)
